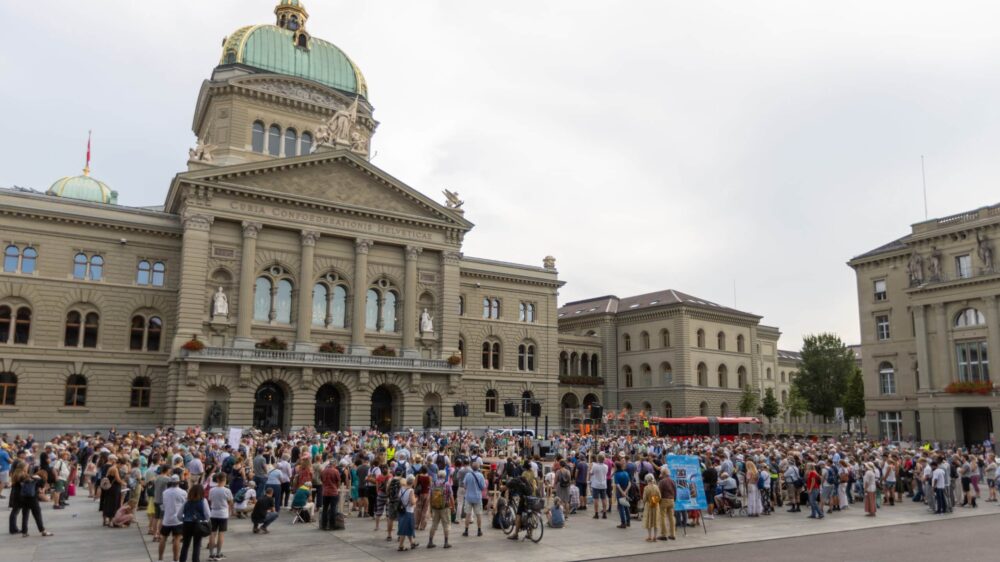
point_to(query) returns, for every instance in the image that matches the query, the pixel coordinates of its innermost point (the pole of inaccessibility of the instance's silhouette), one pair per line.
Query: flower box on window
(384, 351)
(970, 387)
(455, 360)
(194, 344)
(273, 344)
(331, 347)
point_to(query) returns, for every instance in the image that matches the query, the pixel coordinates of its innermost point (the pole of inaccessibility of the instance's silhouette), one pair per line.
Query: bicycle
(531, 519)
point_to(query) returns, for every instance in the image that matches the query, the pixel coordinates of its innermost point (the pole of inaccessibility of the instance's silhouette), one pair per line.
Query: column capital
(251, 229)
(363, 245)
(309, 237)
(451, 258)
(196, 221)
(413, 252)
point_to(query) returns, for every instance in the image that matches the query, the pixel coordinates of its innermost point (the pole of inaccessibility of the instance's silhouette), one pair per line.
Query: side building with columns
(285, 282)
(927, 304)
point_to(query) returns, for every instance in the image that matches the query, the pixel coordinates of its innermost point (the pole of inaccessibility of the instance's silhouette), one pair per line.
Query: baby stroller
(731, 504)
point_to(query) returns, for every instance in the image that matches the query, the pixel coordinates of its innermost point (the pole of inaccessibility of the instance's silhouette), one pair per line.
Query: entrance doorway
(977, 424)
(269, 407)
(328, 402)
(382, 406)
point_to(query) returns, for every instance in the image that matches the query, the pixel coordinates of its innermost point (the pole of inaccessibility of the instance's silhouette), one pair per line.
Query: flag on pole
(86, 169)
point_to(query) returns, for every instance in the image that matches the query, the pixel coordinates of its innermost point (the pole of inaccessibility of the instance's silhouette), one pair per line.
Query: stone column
(410, 313)
(191, 298)
(303, 322)
(447, 320)
(993, 327)
(248, 268)
(361, 248)
(941, 374)
(923, 357)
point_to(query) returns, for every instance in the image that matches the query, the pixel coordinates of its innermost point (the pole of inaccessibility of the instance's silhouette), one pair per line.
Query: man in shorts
(474, 485)
(599, 486)
(173, 506)
(220, 501)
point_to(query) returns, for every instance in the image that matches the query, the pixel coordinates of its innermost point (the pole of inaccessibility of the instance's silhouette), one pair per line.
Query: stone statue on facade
(984, 251)
(337, 130)
(935, 265)
(216, 417)
(202, 152)
(915, 269)
(359, 143)
(452, 200)
(220, 304)
(431, 418)
(426, 323)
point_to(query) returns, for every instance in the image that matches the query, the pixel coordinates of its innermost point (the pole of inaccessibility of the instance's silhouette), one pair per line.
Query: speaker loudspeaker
(510, 410)
(596, 411)
(536, 409)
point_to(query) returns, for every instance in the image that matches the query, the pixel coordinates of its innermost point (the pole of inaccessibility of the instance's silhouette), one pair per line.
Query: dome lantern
(292, 15)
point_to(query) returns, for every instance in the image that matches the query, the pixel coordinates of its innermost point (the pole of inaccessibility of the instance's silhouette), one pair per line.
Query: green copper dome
(275, 49)
(84, 188)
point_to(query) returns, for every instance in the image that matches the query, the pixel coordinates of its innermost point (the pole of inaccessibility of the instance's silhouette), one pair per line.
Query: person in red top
(423, 488)
(813, 483)
(331, 494)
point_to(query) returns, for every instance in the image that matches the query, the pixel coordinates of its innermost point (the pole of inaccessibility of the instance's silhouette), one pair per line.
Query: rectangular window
(880, 290)
(887, 380)
(973, 361)
(891, 425)
(963, 266)
(882, 327)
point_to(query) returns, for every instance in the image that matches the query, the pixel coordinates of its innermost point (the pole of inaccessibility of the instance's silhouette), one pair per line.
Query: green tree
(796, 406)
(749, 401)
(854, 401)
(826, 366)
(770, 407)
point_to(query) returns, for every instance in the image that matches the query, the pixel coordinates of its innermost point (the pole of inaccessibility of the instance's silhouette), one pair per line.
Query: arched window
(783, 376)
(140, 392)
(272, 299)
(741, 377)
(784, 396)
(28, 259)
(574, 364)
(701, 338)
(461, 349)
(274, 141)
(96, 268)
(740, 344)
(91, 324)
(644, 340)
(646, 374)
(145, 333)
(495, 308)
(887, 378)
(724, 410)
(594, 371)
(628, 377)
(381, 307)
(389, 312)
(666, 373)
(80, 266)
(11, 257)
(495, 355)
(768, 373)
(371, 310)
(73, 327)
(703, 409)
(668, 410)
(8, 389)
(627, 342)
(15, 324)
(522, 313)
(306, 146)
(491, 355)
(969, 317)
(723, 376)
(262, 300)
(78, 324)
(461, 305)
(291, 143)
(257, 142)
(159, 274)
(526, 357)
(585, 364)
(563, 364)
(721, 338)
(491, 401)
(329, 302)
(143, 273)
(486, 308)
(76, 391)
(665, 337)
(702, 375)
(531, 312)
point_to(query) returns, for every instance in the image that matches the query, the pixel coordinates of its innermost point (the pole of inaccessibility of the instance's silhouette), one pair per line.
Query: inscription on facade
(353, 225)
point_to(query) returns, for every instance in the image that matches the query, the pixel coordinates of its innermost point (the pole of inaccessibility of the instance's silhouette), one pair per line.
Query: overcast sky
(647, 145)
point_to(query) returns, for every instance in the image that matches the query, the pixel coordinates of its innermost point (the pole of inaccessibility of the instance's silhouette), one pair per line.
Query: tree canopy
(770, 407)
(854, 401)
(825, 368)
(749, 401)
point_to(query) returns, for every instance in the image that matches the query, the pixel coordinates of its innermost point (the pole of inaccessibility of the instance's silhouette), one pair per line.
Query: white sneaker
(709, 517)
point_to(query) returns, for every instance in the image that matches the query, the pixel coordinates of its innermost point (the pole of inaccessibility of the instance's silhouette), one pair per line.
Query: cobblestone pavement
(80, 536)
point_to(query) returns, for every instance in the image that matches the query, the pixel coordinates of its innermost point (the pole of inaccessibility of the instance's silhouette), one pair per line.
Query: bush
(194, 344)
(331, 347)
(454, 360)
(383, 351)
(273, 344)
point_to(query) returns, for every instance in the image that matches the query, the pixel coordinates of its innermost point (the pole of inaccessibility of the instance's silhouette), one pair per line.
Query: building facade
(929, 321)
(667, 354)
(285, 282)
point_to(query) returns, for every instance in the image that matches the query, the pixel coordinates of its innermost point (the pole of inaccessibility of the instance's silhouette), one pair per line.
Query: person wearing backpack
(25, 488)
(563, 482)
(441, 502)
(393, 486)
(831, 478)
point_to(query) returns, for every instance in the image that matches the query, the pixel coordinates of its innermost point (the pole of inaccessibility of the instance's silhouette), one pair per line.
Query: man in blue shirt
(4, 470)
(474, 485)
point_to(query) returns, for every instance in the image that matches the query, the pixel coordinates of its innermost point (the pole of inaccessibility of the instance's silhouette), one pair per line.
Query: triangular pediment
(336, 178)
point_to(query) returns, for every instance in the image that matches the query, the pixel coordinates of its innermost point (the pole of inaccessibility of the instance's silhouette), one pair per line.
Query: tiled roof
(610, 304)
(790, 355)
(896, 244)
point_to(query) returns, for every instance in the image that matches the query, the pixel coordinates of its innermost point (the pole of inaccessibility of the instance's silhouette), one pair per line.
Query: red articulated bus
(726, 429)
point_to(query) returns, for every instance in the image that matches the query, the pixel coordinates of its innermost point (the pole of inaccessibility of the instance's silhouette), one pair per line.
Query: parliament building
(287, 281)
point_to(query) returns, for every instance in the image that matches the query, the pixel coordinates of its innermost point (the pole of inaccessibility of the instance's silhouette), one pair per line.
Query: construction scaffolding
(625, 422)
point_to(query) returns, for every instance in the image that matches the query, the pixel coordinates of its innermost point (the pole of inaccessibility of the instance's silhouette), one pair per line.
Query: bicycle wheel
(536, 527)
(507, 520)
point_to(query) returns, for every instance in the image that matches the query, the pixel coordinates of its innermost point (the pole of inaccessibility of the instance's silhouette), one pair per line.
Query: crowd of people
(190, 483)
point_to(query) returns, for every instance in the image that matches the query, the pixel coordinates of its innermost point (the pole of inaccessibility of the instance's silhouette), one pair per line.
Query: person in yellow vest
(390, 453)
